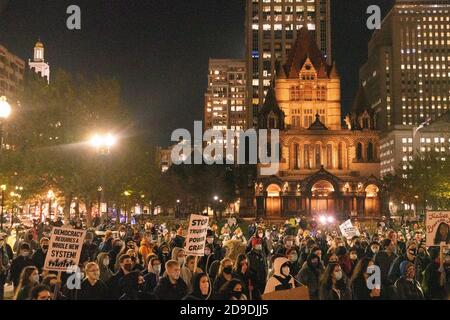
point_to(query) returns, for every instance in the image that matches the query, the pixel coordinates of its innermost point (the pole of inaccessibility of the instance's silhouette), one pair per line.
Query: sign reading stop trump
(64, 249)
(196, 235)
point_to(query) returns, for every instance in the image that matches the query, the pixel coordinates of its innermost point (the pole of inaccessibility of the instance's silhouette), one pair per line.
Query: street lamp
(5, 111)
(103, 144)
(3, 187)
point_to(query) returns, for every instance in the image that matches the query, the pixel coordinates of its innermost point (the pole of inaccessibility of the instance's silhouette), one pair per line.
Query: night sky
(159, 50)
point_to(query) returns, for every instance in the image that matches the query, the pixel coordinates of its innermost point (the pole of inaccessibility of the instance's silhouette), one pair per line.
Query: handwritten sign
(64, 249)
(348, 230)
(196, 235)
(437, 228)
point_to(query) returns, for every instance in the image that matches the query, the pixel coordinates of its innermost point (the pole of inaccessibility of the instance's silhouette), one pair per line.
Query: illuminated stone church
(326, 166)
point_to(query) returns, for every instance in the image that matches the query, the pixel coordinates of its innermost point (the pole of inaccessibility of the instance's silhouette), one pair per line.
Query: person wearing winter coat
(407, 287)
(20, 262)
(281, 279)
(201, 288)
(310, 274)
(435, 277)
(410, 255)
(92, 288)
(40, 254)
(242, 272)
(258, 264)
(333, 284)
(132, 285)
(103, 263)
(360, 290)
(171, 286)
(152, 276)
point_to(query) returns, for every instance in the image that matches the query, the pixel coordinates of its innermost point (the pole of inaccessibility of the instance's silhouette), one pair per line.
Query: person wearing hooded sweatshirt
(146, 247)
(344, 260)
(171, 286)
(205, 261)
(20, 262)
(200, 288)
(132, 285)
(242, 272)
(407, 287)
(164, 256)
(126, 266)
(152, 276)
(114, 253)
(281, 279)
(410, 255)
(231, 290)
(179, 255)
(310, 274)
(103, 263)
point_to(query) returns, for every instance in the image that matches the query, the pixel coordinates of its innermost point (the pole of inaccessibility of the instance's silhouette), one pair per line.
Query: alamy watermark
(250, 144)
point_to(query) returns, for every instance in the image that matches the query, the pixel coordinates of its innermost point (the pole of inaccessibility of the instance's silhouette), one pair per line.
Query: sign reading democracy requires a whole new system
(64, 249)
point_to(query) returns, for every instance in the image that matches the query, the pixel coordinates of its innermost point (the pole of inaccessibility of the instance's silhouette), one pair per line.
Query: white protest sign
(437, 228)
(64, 249)
(196, 235)
(348, 230)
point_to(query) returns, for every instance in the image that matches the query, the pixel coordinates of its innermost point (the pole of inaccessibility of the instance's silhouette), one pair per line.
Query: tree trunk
(89, 214)
(66, 210)
(77, 209)
(128, 215)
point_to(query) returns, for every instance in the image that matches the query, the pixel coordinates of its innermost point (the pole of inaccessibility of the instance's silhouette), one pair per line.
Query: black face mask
(128, 267)
(45, 247)
(237, 294)
(227, 270)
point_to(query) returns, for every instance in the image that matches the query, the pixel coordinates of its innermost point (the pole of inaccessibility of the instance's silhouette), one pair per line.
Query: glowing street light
(103, 141)
(216, 198)
(5, 108)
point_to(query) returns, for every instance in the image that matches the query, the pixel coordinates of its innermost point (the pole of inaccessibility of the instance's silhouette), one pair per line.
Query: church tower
(38, 63)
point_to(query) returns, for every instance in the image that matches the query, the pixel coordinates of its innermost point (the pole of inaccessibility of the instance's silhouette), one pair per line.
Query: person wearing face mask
(29, 278)
(259, 234)
(200, 288)
(292, 255)
(40, 254)
(20, 262)
(407, 287)
(281, 279)
(258, 264)
(178, 239)
(242, 272)
(333, 284)
(384, 260)
(92, 288)
(52, 282)
(238, 235)
(164, 256)
(153, 274)
(114, 253)
(205, 261)
(103, 263)
(107, 243)
(344, 260)
(231, 290)
(310, 274)
(372, 249)
(224, 275)
(360, 290)
(133, 287)
(122, 233)
(288, 243)
(126, 265)
(353, 255)
(179, 255)
(410, 255)
(171, 286)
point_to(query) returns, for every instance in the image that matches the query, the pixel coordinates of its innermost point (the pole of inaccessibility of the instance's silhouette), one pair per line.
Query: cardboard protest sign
(348, 230)
(437, 228)
(64, 249)
(196, 235)
(300, 293)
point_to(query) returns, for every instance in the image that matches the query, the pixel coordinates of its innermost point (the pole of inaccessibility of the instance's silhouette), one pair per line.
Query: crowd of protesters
(148, 262)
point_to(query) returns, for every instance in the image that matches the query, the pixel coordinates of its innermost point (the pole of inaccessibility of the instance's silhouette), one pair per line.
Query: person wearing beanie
(259, 234)
(407, 287)
(435, 277)
(410, 255)
(20, 262)
(372, 249)
(258, 264)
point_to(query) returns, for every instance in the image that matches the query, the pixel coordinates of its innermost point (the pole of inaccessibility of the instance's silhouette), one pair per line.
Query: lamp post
(216, 198)
(5, 111)
(103, 145)
(3, 187)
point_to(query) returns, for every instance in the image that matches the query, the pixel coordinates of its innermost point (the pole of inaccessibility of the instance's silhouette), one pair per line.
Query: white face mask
(207, 252)
(285, 271)
(106, 262)
(157, 269)
(338, 275)
(181, 260)
(35, 278)
(258, 247)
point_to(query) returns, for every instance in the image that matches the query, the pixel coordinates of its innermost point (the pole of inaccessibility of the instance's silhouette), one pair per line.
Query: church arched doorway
(273, 201)
(322, 197)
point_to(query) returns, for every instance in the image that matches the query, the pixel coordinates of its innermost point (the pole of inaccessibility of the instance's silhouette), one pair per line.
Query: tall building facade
(271, 28)
(12, 70)
(407, 75)
(225, 96)
(38, 63)
(324, 168)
